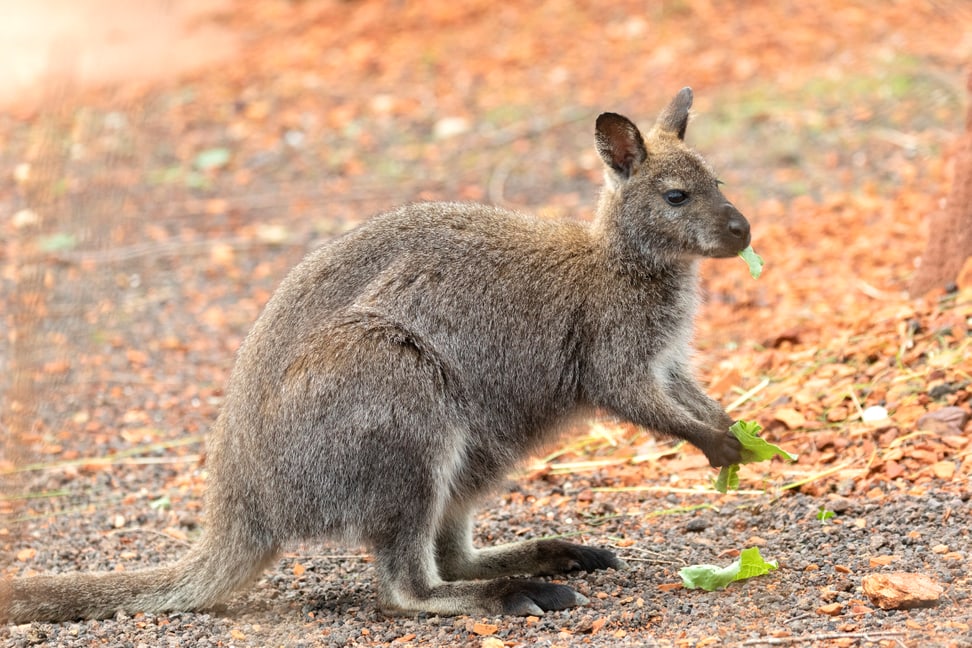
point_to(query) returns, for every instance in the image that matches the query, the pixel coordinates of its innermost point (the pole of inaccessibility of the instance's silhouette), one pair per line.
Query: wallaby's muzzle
(736, 236)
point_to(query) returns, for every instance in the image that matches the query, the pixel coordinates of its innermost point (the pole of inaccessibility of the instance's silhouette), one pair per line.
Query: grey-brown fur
(400, 371)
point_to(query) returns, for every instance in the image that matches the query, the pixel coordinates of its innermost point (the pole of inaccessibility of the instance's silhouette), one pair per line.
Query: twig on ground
(807, 639)
(819, 475)
(146, 531)
(748, 395)
(496, 188)
(700, 490)
(160, 249)
(107, 461)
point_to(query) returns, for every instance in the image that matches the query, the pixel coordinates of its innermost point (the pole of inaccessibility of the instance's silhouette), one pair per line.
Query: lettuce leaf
(754, 449)
(753, 260)
(712, 577)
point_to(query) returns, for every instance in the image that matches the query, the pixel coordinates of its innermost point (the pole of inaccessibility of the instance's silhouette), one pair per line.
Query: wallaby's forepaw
(560, 557)
(723, 450)
(533, 598)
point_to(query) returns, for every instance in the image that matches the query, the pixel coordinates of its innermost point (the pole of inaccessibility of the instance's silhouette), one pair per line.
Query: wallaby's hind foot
(533, 598)
(516, 596)
(457, 559)
(529, 558)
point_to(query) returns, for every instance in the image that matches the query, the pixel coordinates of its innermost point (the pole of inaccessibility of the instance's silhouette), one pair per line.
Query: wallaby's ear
(619, 143)
(674, 118)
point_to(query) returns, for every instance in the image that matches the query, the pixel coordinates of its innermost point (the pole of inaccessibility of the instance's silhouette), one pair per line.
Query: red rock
(901, 590)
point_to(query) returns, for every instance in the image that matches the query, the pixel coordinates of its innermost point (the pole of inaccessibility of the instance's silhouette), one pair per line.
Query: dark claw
(563, 557)
(533, 598)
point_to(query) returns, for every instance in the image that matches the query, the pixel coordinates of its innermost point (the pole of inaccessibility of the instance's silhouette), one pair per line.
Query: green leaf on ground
(162, 503)
(712, 577)
(213, 158)
(57, 242)
(753, 260)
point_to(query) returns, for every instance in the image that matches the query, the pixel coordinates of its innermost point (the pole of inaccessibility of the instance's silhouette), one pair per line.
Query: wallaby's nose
(736, 223)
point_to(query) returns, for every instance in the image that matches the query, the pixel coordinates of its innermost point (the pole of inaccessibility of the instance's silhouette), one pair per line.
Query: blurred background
(164, 162)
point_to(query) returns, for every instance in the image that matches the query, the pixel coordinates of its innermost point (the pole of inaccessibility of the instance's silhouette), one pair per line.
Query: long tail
(221, 562)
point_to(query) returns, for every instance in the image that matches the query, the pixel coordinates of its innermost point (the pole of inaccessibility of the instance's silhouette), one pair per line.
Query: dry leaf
(298, 569)
(222, 254)
(176, 532)
(955, 441)
(598, 624)
(215, 206)
(964, 278)
(57, 367)
(944, 470)
(790, 417)
(837, 414)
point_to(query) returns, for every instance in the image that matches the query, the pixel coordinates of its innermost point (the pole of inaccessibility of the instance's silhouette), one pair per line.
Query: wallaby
(401, 370)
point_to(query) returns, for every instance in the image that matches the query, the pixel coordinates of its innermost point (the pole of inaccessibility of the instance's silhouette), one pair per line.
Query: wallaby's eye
(676, 197)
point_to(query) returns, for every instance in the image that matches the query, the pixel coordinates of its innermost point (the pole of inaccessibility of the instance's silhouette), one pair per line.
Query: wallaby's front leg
(650, 404)
(668, 415)
(684, 388)
(457, 559)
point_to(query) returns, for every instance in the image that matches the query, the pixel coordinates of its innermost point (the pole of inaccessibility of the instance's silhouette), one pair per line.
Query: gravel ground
(324, 595)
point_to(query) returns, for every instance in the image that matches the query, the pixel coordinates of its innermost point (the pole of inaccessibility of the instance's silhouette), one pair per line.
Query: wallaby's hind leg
(411, 580)
(457, 559)
(411, 583)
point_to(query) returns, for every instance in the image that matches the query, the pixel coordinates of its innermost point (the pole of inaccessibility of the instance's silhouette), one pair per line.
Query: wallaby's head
(660, 196)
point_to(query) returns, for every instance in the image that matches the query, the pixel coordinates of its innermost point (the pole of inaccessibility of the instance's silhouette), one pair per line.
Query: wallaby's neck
(633, 253)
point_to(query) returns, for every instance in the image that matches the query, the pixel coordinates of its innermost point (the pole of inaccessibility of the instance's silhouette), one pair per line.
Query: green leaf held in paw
(754, 449)
(753, 260)
(728, 478)
(712, 577)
